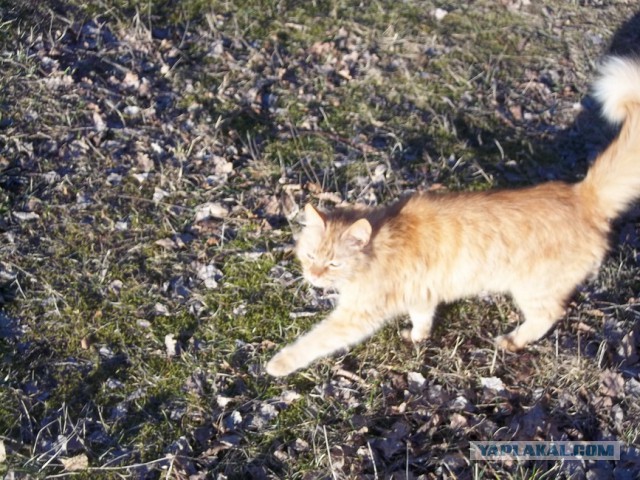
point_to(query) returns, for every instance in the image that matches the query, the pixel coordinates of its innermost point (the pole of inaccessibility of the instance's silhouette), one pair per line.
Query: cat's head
(331, 248)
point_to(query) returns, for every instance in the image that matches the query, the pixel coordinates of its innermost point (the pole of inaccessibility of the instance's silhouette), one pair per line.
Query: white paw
(418, 336)
(413, 335)
(506, 342)
(283, 363)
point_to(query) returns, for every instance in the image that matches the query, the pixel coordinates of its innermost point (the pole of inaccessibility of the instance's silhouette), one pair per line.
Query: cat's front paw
(283, 363)
(506, 342)
(415, 335)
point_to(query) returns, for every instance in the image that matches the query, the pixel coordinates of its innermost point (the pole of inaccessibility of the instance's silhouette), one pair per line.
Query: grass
(261, 107)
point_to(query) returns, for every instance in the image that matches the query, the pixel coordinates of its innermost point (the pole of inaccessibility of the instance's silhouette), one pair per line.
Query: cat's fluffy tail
(613, 181)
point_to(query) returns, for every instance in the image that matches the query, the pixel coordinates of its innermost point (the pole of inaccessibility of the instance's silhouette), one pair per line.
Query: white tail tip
(617, 87)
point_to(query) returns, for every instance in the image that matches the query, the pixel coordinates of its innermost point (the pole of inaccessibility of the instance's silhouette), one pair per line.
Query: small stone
(233, 421)
(131, 110)
(171, 344)
(439, 13)
(223, 401)
(416, 381)
(492, 383)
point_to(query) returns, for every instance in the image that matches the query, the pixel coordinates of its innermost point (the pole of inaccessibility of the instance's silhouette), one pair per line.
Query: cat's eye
(310, 256)
(335, 264)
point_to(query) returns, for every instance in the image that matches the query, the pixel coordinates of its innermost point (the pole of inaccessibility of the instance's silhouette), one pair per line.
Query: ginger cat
(536, 244)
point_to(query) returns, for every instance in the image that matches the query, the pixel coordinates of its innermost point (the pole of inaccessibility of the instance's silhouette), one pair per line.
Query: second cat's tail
(613, 181)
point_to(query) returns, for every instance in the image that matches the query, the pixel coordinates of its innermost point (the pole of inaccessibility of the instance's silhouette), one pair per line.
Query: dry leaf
(116, 286)
(26, 216)
(210, 274)
(611, 384)
(140, 177)
(145, 163)
(321, 48)
(516, 112)
(458, 421)
(160, 309)
(627, 348)
(210, 209)
(583, 327)
(167, 243)
(632, 387)
(74, 464)
(159, 194)
(98, 122)
(131, 80)
(289, 396)
(345, 73)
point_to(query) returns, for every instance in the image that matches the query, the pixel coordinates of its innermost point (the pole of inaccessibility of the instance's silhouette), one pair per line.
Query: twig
(406, 467)
(459, 341)
(326, 442)
(373, 460)
(170, 469)
(493, 360)
(349, 375)
(111, 469)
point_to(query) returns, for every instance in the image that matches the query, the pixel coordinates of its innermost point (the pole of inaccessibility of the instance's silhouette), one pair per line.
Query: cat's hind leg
(340, 330)
(540, 314)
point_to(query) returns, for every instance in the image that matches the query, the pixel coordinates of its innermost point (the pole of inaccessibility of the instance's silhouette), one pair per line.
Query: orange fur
(536, 243)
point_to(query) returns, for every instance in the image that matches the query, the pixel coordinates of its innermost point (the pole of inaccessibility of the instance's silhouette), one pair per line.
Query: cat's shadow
(562, 155)
(571, 151)
(590, 133)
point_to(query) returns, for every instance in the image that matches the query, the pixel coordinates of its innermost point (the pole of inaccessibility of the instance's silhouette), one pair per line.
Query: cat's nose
(316, 272)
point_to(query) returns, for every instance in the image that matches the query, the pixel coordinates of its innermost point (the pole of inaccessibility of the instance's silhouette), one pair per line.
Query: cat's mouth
(319, 282)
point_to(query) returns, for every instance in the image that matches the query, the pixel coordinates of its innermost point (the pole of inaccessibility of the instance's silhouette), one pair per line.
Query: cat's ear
(358, 235)
(312, 217)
